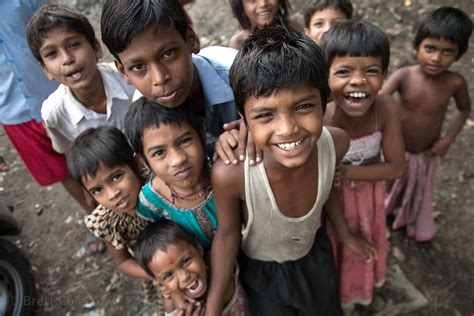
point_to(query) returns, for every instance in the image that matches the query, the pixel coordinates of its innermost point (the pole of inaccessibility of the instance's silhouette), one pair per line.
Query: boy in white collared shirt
(90, 94)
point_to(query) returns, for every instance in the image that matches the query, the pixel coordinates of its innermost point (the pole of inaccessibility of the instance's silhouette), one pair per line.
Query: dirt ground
(71, 282)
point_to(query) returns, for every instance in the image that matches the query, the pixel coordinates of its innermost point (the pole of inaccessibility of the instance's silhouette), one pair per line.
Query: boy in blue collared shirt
(157, 52)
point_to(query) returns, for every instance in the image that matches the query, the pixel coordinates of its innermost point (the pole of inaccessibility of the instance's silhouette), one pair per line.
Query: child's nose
(67, 58)
(183, 276)
(178, 157)
(286, 126)
(159, 75)
(436, 56)
(112, 193)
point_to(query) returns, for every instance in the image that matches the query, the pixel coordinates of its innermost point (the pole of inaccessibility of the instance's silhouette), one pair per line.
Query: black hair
(446, 23)
(276, 58)
(357, 39)
(239, 13)
(158, 236)
(96, 147)
(51, 16)
(144, 114)
(123, 20)
(344, 6)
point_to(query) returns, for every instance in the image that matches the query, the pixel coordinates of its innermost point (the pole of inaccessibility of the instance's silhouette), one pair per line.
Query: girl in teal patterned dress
(171, 142)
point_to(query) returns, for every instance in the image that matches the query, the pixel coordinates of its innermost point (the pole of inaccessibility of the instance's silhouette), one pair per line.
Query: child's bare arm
(227, 182)
(126, 263)
(333, 207)
(393, 165)
(394, 81)
(460, 115)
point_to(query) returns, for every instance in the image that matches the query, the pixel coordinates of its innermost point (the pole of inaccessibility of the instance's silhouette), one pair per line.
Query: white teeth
(263, 13)
(75, 75)
(357, 94)
(290, 146)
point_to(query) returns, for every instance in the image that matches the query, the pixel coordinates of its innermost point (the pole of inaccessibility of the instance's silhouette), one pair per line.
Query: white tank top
(270, 235)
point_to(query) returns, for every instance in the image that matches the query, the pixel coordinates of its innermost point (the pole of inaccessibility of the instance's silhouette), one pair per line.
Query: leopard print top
(120, 229)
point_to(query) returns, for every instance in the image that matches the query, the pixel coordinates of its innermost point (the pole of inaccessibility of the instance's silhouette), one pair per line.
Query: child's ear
(192, 40)
(121, 69)
(330, 98)
(98, 50)
(306, 30)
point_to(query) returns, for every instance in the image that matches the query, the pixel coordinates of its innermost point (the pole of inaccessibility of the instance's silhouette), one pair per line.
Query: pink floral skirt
(363, 204)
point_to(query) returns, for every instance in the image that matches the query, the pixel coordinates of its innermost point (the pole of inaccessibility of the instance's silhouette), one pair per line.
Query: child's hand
(186, 307)
(225, 145)
(440, 147)
(362, 248)
(339, 176)
(237, 136)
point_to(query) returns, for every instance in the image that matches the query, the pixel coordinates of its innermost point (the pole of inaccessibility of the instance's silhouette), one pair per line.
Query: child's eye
(266, 115)
(116, 177)
(448, 52)
(50, 54)
(169, 54)
(159, 153)
(166, 277)
(373, 71)
(137, 68)
(341, 72)
(429, 49)
(95, 191)
(303, 106)
(74, 45)
(185, 140)
(318, 24)
(186, 261)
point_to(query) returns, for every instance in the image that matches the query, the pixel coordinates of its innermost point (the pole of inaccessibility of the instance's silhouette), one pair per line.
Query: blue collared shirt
(213, 64)
(23, 85)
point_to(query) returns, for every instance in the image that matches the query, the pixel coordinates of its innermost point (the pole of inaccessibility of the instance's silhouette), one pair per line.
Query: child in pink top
(358, 54)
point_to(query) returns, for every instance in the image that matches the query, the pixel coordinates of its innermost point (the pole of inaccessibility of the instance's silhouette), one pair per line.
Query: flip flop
(3, 165)
(94, 244)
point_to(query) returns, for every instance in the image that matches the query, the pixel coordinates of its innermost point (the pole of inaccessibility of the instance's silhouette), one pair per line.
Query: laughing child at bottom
(103, 162)
(174, 258)
(425, 90)
(273, 210)
(358, 55)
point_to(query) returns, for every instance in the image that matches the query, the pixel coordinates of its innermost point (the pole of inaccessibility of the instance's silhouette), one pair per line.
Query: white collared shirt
(65, 117)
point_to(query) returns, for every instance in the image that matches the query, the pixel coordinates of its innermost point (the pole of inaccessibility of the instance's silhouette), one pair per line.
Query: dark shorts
(308, 285)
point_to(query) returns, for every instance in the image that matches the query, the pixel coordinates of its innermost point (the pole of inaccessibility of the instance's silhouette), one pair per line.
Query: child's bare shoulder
(238, 38)
(227, 177)
(340, 139)
(455, 79)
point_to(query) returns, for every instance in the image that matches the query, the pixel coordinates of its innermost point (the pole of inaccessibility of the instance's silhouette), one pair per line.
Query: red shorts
(36, 150)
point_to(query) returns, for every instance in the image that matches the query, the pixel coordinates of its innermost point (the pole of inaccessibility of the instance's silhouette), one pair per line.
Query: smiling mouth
(74, 75)
(291, 145)
(356, 95)
(264, 13)
(195, 287)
